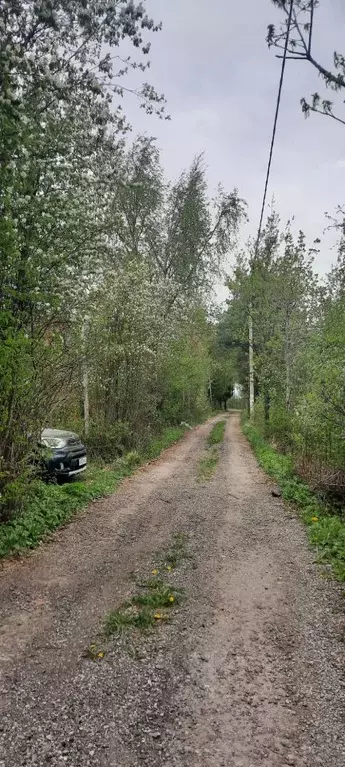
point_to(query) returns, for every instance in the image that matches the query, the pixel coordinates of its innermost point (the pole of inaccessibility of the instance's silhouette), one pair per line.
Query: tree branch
(311, 25)
(326, 114)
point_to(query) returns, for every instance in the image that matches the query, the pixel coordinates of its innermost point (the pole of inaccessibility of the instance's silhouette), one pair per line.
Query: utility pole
(251, 365)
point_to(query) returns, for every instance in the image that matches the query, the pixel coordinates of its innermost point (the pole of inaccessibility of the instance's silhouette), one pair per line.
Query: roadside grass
(208, 462)
(326, 526)
(48, 506)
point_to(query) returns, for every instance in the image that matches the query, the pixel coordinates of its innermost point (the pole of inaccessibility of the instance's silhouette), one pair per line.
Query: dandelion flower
(154, 572)
(100, 655)
(315, 519)
(171, 598)
(157, 616)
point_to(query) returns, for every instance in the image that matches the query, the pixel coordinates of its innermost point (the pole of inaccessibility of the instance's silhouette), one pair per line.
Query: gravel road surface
(249, 670)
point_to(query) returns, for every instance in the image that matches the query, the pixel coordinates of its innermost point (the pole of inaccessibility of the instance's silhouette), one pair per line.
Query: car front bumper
(66, 463)
(71, 473)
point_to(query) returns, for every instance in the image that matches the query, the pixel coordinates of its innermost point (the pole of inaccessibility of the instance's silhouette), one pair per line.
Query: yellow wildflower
(157, 616)
(154, 572)
(100, 655)
(171, 598)
(169, 568)
(315, 519)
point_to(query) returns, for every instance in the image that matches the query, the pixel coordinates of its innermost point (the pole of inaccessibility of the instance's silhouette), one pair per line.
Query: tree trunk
(85, 374)
(287, 364)
(210, 392)
(267, 405)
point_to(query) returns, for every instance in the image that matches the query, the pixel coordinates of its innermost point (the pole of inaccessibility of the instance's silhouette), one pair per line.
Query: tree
(279, 288)
(198, 234)
(59, 140)
(301, 49)
(176, 229)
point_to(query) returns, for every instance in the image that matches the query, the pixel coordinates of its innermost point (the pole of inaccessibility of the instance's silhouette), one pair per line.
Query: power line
(281, 81)
(250, 323)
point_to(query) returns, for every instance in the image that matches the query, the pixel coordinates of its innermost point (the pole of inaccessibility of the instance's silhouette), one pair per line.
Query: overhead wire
(257, 243)
(275, 123)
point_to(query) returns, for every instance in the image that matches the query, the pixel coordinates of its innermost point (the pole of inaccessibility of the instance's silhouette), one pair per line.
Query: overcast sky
(221, 81)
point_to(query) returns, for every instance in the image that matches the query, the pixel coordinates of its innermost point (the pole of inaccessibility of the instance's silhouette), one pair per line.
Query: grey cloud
(212, 62)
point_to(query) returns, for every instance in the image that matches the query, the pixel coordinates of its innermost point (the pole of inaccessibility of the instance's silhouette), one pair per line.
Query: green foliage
(13, 497)
(121, 620)
(208, 462)
(222, 381)
(325, 527)
(184, 376)
(59, 148)
(157, 444)
(109, 443)
(149, 605)
(105, 265)
(216, 434)
(177, 551)
(159, 594)
(318, 426)
(328, 535)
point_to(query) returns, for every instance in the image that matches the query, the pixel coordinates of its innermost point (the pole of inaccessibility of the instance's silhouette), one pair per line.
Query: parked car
(66, 454)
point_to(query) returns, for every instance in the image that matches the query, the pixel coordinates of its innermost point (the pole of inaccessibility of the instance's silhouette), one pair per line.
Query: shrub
(109, 443)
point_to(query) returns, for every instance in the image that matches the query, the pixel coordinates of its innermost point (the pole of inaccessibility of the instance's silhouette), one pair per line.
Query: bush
(109, 443)
(12, 498)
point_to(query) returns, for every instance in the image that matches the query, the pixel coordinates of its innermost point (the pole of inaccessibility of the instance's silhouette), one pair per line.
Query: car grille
(74, 455)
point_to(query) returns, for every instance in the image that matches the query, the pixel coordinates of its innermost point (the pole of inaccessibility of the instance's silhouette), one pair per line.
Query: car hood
(60, 434)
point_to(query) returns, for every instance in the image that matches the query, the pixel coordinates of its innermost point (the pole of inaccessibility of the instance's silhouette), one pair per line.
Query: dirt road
(248, 672)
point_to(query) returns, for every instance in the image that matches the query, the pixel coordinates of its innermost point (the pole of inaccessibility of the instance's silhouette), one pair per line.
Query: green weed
(208, 464)
(158, 595)
(177, 551)
(121, 620)
(326, 528)
(150, 605)
(170, 435)
(94, 652)
(216, 434)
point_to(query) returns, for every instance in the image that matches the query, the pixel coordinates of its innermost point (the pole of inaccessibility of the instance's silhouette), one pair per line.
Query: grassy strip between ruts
(208, 463)
(216, 434)
(151, 604)
(48, 506)
(326, 527)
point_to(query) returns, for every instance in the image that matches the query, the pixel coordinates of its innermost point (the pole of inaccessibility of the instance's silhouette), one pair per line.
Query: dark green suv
(67, 454)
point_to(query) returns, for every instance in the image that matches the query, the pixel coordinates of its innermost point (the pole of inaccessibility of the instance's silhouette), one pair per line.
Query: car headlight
(54, 442)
